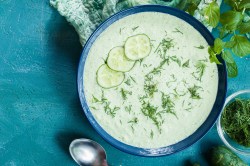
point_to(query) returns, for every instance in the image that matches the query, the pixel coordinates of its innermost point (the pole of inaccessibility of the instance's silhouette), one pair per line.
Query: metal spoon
(87, 153)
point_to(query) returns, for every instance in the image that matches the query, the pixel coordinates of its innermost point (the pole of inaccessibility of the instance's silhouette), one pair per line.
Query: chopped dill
(178, 93)
(193, 92)
(121, 30)
(134, 28)
(109, 110)
(186, 64)
(235, 121)
(102, 100)
(133, 121)
(167, 104)
(95, 100)
(125, 93)
(200, 47)
(149, 86)
(176, 59)
(140, 61)
(200, 69)
(151, 134)
(163, 46)
(132, 79)
(128, 108)
(151, 112)
(174, 80)
(94, 108)
(120, 121)
(157, 70)
(128, 82)
(178, 31)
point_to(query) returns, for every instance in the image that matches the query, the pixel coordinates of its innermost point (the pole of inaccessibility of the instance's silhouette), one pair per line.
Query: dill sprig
(151, 112)
(174, 79)
(128, 108)
(151, 134)
(125, 93)
(150, 87)
(163, 46)
(200, 69)
(167, 104)
(134, 28)
(128, 82)
(235, 121)
(102, 100)
(186, 64)
(200, 47)
(176, 59)
(157, 70)
(194, 92)
(109, 110)
(133, 121)
(178, 31)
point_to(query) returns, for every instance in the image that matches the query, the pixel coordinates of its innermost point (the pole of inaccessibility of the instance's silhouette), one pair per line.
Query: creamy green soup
(161, 100)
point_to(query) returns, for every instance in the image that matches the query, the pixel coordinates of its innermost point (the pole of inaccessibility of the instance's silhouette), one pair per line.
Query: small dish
(230, 143)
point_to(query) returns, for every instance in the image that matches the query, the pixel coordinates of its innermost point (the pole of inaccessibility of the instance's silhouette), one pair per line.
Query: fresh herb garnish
(186, 64)
(125, 93)
(176, 59)
(151, 134)
(235, 121)
(178, 31)
(157, 70)
(232, 25)
(174, 79)
(132, 78)
(109, 110)
(128, 108)
(200, 47)
(133, 121)
(193, 92)
(150, 87)
(128, 82)
(151, 112)
(163, 46)
(134, 28)
(167, 104)
(200, 69)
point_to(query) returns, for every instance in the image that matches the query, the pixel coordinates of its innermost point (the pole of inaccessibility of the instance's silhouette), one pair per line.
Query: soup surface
(167, 95)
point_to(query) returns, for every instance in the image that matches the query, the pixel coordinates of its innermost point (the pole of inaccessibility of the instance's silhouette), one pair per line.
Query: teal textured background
(40, 113)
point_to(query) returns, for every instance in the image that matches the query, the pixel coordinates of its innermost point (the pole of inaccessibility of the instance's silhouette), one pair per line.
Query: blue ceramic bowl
(201, 131)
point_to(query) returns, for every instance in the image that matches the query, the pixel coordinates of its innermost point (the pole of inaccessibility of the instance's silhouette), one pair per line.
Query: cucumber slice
(118, 61)
(108, 78)
(137, 47)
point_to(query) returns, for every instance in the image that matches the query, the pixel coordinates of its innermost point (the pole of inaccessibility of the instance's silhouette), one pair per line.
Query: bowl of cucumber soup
(145, 81)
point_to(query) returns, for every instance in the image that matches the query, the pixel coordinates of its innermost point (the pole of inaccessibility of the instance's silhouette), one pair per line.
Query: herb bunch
(234, 27)
(235, 121)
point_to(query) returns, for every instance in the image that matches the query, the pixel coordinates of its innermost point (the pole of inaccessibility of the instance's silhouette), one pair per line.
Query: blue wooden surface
(40, 111)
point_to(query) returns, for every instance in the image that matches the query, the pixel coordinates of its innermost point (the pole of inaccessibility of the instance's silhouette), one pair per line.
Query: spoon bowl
(87, 153)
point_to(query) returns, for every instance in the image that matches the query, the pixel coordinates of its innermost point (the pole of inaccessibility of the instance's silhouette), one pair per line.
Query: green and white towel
(86, 15)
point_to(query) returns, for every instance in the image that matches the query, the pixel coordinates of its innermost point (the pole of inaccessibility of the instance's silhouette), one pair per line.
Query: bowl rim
(219, 127)
(201, 131)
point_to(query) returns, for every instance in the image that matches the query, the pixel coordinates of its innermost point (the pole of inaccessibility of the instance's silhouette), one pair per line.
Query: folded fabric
(86, 15)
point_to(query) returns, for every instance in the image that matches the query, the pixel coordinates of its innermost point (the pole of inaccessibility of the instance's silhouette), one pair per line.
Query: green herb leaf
(218, 45)
(242, 45)
(194, 92)
(212, 14)
(191, 8)
(200, 47)
(229, 44)
(244, 27)
(213, 56)
(232, 69)
(186, 64)
(231, 19)
(125, 93)
(227, 56)
(244, 4)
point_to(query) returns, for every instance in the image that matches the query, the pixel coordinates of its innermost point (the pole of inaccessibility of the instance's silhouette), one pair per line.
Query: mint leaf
(230, 3)
(218, 45)
(244, 27)
(212, 14)
(232, 69)
(231, 19)
(191, 8)
(242, 45)
(212, 56)
(227, 56)
(229, 44)
(244, 4)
